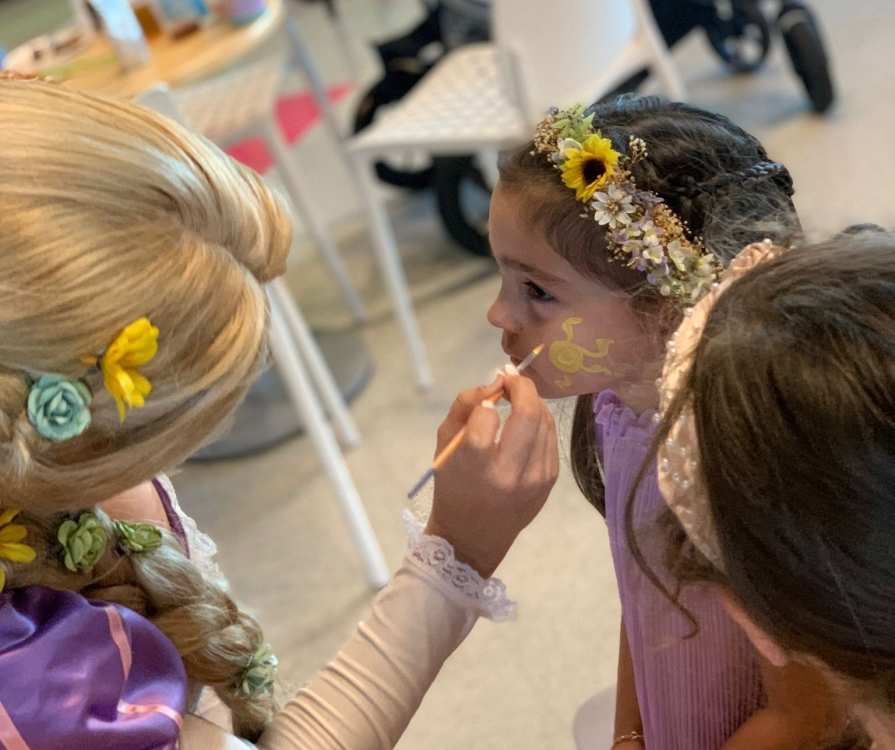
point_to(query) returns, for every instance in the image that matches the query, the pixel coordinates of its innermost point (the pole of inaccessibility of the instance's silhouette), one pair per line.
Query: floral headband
(678, 475)
(59, 408)
(642, 230)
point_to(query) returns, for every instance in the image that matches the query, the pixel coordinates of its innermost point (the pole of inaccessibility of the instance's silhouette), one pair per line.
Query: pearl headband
(678, 475)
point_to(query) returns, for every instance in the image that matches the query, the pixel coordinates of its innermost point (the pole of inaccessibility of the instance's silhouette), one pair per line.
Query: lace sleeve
(434, 555)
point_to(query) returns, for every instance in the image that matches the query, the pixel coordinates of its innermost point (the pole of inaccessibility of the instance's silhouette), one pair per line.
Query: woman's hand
(487, 492)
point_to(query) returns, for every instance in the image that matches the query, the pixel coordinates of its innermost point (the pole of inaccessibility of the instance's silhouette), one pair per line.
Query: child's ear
(764, 643)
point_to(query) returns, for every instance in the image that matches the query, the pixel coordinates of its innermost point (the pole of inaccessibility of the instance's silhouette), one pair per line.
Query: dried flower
(614, 207)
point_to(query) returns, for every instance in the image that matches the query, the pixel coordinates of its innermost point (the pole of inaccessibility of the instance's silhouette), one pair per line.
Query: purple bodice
(693, 693)
(85, 674)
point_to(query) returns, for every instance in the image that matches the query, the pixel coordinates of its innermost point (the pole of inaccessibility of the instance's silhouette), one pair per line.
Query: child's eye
(538, 293)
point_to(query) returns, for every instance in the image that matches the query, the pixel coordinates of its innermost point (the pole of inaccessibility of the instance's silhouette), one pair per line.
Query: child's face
(593, 339)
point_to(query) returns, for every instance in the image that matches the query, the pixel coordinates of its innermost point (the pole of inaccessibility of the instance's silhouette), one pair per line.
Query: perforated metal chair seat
(461, 106)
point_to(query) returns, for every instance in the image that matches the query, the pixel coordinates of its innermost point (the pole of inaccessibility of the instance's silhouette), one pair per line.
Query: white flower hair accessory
(677, 457)
(642, 231)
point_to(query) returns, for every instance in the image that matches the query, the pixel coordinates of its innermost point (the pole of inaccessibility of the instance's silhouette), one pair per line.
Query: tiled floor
(282, 541)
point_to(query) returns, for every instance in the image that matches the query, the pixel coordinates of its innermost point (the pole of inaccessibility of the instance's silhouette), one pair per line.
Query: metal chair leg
(389, 261)
(310, 353)
(304, 399)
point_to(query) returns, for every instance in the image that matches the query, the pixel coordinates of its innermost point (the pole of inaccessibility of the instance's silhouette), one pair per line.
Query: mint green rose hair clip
(59, 408)
(138, 537)
(260, 673)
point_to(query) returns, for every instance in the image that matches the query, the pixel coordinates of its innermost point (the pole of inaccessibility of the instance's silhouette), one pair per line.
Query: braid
(215, 639)
(18, 438)
(742, 178)
(687, 187)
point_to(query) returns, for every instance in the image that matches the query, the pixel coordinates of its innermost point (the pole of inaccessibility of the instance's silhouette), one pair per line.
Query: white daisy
(613, 208)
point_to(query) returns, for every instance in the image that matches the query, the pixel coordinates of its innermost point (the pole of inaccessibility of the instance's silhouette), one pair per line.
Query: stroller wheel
(413, 176)
(463, 200)
(740, 34)
(806, 50)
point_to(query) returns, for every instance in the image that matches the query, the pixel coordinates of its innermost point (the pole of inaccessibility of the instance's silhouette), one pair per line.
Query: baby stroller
(405, 60)
(739, 31)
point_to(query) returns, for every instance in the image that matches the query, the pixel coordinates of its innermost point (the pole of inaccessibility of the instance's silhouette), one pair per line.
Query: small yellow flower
(11, 535)
(135, 346)
(589, 167)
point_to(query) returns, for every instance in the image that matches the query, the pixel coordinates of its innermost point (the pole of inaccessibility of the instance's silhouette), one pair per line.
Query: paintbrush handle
(452, 446)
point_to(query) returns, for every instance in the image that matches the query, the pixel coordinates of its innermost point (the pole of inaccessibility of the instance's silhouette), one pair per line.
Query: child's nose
(499, 315)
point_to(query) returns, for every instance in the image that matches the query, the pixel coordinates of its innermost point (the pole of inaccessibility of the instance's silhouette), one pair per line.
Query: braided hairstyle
(713, 174)
(113, 214)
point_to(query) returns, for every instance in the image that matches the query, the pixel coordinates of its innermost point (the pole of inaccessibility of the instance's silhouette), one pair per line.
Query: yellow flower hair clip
(11, 547)
(134, 347)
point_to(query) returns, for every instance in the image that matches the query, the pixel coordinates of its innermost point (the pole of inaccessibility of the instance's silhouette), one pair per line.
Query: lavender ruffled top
(693, 693)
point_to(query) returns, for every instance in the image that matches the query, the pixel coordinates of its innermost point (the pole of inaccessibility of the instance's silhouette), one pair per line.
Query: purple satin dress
(83, 674)
(693, 693)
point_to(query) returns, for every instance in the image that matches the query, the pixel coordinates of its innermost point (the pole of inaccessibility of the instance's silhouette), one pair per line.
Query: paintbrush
(452, 446)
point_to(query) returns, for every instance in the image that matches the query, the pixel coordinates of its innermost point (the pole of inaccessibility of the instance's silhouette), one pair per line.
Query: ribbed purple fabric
(693, 693)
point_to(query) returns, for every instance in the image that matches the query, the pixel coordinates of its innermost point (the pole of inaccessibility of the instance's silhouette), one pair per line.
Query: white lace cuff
(436, 555)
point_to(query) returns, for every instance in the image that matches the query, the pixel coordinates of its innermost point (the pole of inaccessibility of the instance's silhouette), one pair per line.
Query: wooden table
(178, 61)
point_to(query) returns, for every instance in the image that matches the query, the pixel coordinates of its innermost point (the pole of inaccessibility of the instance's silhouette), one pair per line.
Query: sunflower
(589, 167)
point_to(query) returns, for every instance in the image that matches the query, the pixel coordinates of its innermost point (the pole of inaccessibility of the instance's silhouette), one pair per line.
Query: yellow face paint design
(569, 357)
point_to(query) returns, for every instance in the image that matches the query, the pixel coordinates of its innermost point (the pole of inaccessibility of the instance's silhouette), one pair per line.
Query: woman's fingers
(525, 429)
(482, 428)
(462, 409)
(488, 491)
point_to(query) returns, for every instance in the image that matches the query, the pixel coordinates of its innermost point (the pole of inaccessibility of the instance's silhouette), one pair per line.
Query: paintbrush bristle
(530, 358)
